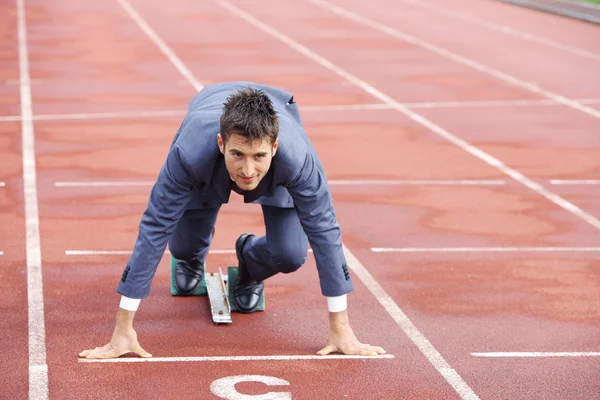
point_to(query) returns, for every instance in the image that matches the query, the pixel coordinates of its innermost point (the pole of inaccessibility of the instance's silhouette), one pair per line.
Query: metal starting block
(219, 288)
(218, 296)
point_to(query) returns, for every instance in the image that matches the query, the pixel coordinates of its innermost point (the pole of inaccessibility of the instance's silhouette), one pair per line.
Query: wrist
(124, 319)
(338, 319)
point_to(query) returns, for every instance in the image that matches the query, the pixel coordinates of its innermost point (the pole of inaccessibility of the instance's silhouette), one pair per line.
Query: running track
(462, 139)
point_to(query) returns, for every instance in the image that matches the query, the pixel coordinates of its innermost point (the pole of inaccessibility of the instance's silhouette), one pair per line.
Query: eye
(237, 154)
(259, 156)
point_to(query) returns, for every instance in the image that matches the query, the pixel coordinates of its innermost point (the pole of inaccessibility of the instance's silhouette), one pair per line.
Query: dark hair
(249, 113)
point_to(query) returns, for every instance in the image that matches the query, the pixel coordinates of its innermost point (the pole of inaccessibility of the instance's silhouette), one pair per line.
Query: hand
(342, 339)
(124, 340)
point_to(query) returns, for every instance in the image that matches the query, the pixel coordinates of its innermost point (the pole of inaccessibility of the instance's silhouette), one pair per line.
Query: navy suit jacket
(194, 176)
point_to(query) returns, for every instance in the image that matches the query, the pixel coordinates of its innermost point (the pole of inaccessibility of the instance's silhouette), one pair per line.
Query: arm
(166, 205)
(313, 203)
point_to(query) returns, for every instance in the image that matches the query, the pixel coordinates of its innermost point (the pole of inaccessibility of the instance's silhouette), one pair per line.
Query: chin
(247, 186)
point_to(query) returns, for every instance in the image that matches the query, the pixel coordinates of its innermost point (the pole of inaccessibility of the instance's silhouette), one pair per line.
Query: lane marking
(347, 107)
(127, 252)
(183, 70)
(343, 107)
(1, 253)
(509, 79)
(104, 184)
(480, 249)
(235, 358)
(473, 150)
(467, 182)
(109, 115)
(575, 181)
(38, 369)
(504, 29)
(379, 250)
(10, 118)
(540, 354)
(418, 339)
(494, 103)
(2, 184)
(100, 252)
(224, 388)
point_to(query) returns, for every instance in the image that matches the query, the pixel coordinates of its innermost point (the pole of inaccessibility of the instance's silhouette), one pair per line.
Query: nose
(248, 168)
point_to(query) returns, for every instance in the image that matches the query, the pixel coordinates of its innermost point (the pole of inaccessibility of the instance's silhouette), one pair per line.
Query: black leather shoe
(188, 276)
(246, 291)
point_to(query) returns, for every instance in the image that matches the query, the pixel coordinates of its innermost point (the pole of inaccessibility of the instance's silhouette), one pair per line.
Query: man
(248, 138)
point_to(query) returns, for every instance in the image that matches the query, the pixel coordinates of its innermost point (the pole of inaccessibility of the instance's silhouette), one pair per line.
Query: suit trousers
(284, 248)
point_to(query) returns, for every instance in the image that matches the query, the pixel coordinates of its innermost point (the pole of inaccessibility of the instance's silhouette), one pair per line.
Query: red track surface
(91, 57)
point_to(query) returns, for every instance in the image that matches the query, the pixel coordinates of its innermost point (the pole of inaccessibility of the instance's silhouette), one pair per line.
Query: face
(247, 162)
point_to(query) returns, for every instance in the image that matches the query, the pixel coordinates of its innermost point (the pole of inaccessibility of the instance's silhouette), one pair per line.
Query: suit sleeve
(167, 202)
(313, 203)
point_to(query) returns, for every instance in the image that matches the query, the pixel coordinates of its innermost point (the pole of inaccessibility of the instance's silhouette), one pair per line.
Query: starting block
(219, 289)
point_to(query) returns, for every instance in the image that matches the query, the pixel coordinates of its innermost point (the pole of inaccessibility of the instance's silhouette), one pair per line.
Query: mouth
(248, 180)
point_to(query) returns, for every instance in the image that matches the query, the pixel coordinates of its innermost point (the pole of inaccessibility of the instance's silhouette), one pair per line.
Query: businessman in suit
(247, 138)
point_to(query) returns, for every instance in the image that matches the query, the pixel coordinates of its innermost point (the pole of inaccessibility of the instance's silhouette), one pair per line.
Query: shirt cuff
(129, 304)
(337, 303)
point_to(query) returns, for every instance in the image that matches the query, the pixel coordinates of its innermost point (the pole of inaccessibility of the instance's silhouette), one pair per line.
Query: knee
(288, 260)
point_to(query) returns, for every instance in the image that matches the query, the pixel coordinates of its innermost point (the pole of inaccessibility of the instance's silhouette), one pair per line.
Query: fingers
(86, 353)
(103, 354)
(376, 349)
(363, 350)
(142, 353)
(326, 350)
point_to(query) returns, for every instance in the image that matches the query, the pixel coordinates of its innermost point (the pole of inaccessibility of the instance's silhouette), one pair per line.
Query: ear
(220, 143)
(275, 146)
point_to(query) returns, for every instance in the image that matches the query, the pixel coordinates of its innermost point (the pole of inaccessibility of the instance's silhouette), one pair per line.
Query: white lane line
(473, 150)
(10, 118)
(104, 184)
(480, 249)
(467, 182)
(236, 358)
(308, 108)
(127, 252)
(110, 115)
(419, 340)
(575, 181)
(494, 103)
(435, 8)
(161, 45)
(38, 369)
(2, 184)
(346, 107)
(538, 354)
(379, 250)
(100, 252)
(1, 253)
(350, 182)
(509, 79)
